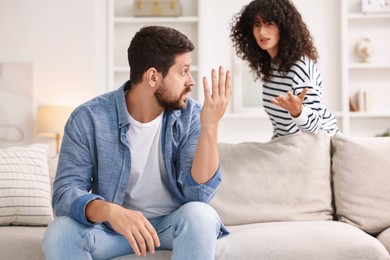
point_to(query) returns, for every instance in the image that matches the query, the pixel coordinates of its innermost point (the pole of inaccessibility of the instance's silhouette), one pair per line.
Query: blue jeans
(190, 232)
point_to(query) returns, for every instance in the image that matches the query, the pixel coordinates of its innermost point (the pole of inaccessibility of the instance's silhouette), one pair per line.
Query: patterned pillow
(25, 192)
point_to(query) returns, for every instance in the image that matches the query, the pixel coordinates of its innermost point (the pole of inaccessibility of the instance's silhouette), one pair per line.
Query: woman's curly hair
(294, 43)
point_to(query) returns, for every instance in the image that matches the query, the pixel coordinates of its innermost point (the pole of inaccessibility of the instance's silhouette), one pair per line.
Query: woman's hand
(293, 104)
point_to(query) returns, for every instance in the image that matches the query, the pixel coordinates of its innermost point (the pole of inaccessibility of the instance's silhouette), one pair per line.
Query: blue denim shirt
(95, 159)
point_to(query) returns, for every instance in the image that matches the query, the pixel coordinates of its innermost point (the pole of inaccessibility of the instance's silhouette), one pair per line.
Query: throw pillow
(25, 192)
(287, 178)
(361, 176)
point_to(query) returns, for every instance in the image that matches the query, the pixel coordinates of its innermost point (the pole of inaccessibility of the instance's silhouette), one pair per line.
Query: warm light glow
(51, 121)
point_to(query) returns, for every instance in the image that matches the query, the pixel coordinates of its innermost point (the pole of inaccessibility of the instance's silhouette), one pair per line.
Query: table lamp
(51, 121)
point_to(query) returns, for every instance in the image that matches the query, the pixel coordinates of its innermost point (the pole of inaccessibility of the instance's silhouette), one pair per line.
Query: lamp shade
(51, 119)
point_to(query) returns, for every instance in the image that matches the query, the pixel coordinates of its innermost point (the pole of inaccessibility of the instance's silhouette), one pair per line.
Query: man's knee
(201, 214)
(60, 232)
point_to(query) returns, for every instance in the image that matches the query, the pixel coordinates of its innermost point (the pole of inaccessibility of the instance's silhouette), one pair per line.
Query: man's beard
(168, 102)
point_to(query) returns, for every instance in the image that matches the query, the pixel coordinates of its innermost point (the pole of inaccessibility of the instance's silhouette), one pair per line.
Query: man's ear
(152, 77)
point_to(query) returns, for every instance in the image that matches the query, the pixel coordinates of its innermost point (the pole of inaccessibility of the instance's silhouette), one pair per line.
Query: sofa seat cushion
(18, 242)
(384, 237)
(301, 240)
(293, 240)
(287, 178)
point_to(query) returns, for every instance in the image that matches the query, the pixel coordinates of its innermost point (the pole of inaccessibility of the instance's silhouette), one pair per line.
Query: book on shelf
(353, 105)
(361, 101)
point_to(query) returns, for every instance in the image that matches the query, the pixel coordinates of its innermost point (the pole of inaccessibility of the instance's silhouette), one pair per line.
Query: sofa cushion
(361, 176)
(294, 240)
(25, 192)
(299, 240)
(21, 242)
(287, 178)
(384, 237)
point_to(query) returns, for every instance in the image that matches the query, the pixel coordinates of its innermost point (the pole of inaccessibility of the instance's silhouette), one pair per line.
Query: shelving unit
(122, 25)
(372, 76)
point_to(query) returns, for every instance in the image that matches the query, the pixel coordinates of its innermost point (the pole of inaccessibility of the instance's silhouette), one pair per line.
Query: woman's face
(266, 35)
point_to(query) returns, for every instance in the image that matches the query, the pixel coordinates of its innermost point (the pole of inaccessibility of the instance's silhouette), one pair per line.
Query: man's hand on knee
(131, 224)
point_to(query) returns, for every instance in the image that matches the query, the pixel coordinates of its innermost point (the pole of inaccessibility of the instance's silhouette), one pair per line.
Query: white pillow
(25, 192)
(361, 177)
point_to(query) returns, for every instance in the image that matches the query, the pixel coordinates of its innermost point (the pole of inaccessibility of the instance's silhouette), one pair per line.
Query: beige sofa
(296, 197)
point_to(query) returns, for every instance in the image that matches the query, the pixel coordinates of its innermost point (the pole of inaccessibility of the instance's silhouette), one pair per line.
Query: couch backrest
(361, 176)
(287, 178)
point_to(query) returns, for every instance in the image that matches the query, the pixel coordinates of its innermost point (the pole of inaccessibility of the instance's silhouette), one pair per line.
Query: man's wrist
(97, 211)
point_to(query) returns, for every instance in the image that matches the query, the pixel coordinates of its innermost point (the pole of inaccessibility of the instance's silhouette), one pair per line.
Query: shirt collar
(120, 100)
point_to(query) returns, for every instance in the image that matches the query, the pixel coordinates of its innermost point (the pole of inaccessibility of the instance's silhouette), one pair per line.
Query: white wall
(65, 41)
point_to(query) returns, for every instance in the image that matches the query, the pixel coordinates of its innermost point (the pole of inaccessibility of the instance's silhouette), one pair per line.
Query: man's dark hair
(157, 47)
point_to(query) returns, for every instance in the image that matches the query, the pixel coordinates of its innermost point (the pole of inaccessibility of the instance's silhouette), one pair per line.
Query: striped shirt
(314, 117)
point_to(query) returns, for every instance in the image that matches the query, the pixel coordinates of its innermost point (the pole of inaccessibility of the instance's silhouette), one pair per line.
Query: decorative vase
(363, 49)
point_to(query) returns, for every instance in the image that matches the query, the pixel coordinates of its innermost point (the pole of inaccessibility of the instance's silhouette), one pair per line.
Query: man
(138, 165)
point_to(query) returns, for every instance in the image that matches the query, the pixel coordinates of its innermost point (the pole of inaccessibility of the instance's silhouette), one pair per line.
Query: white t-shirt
(148, 189)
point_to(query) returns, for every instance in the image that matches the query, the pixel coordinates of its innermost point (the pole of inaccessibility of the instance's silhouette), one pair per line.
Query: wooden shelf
(178, 19)
(373, 66)
(368, 114)
(363, 16)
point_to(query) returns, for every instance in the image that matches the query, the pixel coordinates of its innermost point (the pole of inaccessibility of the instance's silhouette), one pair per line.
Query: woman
(272, 37)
